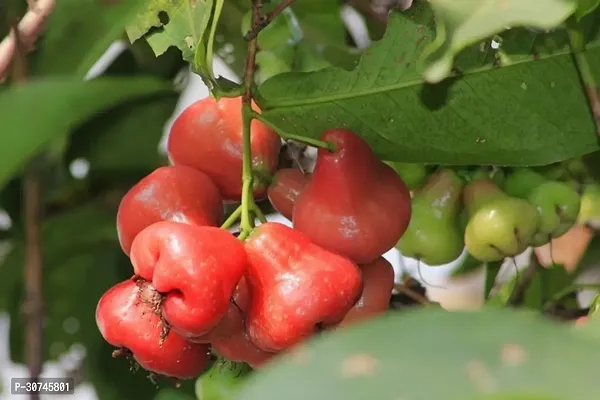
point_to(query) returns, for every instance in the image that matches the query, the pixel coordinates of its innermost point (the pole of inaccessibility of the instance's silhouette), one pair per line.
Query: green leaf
(222, 381)
(34, 114)
(78, 32)
(464, 23)
(187, 22)
(532, 112)
(466, 355)
(585, 7)
(124, 138)
(492, 269)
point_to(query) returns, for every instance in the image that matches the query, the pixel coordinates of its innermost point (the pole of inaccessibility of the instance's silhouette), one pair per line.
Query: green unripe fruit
(557, 203)
(433, 234)
(589, 213)
(222, 381)
(499, 225)
(413, 175)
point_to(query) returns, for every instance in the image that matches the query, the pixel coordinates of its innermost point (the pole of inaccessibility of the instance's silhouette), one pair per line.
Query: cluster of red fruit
(196, 288)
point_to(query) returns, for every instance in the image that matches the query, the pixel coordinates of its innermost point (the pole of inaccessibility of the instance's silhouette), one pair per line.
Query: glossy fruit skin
(232, 323)
(499, 225)
(195, 268)
(378, 283)
(285, 189)
(413, 175)
(175, 193)
(434, 235)
(222, 381)
(208, 137)
(124, 320)
(295, 286)
(239, 348)
(354, 204)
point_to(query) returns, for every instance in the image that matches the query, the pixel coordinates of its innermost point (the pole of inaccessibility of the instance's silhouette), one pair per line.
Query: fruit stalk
(248, 205)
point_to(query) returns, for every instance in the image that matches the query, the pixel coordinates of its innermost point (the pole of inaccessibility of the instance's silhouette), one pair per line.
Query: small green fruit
(557, 203)
(433, 234)
(589, 213)
(222, 381)
(499, 225)
(413, 175)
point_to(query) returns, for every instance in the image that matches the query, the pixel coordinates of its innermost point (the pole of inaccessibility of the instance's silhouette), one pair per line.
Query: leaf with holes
(461, 24)
(78, 32)
(531, 111)
(465, 355)
(179, 23)
(58, 105)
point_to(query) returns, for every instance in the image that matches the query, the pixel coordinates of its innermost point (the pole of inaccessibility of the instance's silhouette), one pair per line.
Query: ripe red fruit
(208, 136)
(126, 318)
(239, 348)
(195, 268)
(176, 193)
(233, 322)
(295, 287)
(287, 185)
(378, 283)
(354, 204)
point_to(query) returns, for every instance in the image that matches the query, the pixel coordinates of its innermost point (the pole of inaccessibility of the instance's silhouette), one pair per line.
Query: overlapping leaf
(179, 23)
(435, 354)
(34, 114)
(532, 111)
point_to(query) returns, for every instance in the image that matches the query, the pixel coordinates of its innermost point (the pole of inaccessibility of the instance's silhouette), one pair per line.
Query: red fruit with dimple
(208, 136)
(354, 204)
(232, 323)
(173, 193)
(126, 318)
(287, 185)
(195, 268)
(378, 283)
(296, 287)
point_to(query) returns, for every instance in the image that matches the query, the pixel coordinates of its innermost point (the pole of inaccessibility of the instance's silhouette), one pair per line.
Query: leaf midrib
(351, 94)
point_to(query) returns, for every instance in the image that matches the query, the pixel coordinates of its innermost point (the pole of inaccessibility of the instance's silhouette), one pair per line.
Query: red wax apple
(287, 185)
(233, 322)
(378, 283)
(354, 204)
(208, 136)
(127, 319)
(175, 193)
(296, 287)
(195, 268)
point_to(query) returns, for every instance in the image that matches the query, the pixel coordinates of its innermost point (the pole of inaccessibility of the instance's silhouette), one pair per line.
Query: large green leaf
(34, 114)
(434, 354)
(463, 23)
(179, 23)
(78, 32)
(532, 111)
(124, 138)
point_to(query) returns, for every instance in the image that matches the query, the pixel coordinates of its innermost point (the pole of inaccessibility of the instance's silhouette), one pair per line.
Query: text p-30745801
(42, 386)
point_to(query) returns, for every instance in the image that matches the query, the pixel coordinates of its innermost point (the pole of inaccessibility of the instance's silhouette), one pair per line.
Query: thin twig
(30, 27)
(263, 22)
(33, 305)
(522, 284)
(414, 295)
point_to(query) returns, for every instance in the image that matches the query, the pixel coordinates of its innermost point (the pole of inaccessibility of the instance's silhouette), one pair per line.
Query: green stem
(232, 219)
(573, 288)
(259, 214)
(248, 205)
(290, 136)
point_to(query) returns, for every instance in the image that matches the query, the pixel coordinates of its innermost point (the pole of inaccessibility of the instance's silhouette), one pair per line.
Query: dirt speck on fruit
(356, 365)
(513, 354)
(480, 376)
